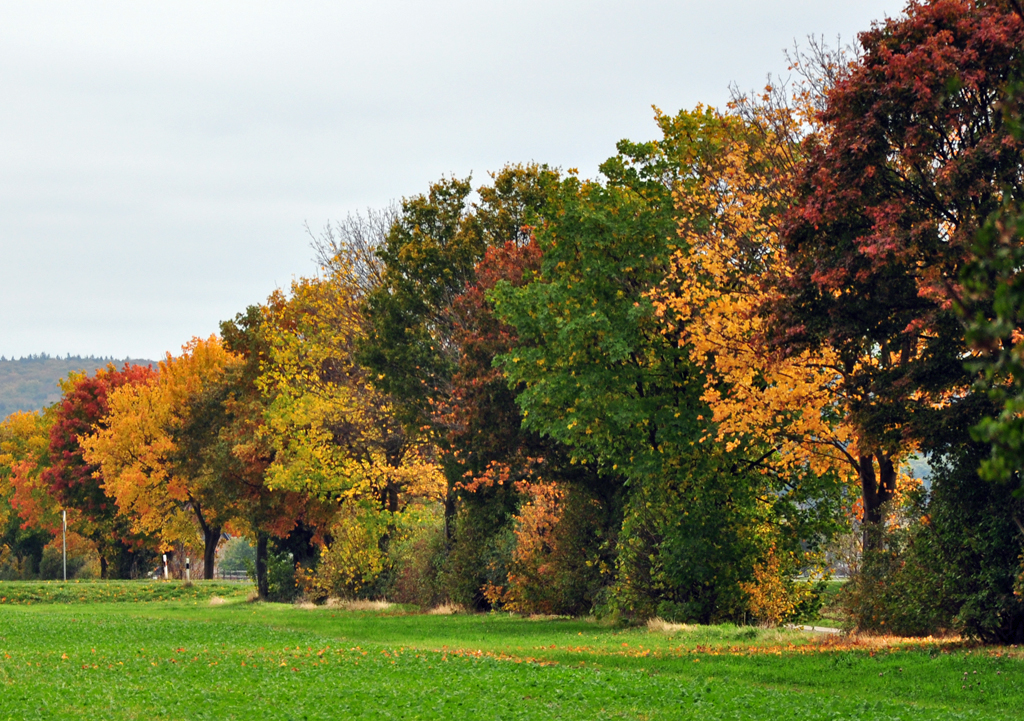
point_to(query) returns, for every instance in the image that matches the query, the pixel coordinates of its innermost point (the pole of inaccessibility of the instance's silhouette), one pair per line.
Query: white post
(165, 566)
(188, 569)
(64, 537)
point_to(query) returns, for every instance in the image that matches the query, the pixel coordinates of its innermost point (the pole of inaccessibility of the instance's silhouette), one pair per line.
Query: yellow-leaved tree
(789, 411)
(334, 434)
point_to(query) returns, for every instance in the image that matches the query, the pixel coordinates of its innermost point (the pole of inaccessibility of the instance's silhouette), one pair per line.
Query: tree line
(665, 391)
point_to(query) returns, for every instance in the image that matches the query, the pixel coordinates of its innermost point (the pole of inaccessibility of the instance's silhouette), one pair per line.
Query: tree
(334, 433)
(913, 155)
(28, 513)
(428, 257)
(145, 470)
(228, 439)
(498, 463)
(785, 415)
(78, 484)
(599, 375)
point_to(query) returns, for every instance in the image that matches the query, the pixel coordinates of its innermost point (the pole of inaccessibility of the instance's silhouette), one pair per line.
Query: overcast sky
(159, 161)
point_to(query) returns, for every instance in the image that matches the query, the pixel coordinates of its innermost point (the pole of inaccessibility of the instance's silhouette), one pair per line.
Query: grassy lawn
(185, 659)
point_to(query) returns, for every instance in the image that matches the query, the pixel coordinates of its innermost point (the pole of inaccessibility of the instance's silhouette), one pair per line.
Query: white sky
(159, 160)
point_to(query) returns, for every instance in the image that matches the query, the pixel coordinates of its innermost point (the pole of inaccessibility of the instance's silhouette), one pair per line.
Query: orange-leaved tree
(29, 515)
(141, 461)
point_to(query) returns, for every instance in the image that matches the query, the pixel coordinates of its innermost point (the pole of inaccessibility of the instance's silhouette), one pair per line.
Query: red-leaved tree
(77, 484)
(912, 158)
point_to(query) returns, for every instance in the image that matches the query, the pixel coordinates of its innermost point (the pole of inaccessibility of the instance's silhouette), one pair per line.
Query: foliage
(429, 256)
(28, 513)
(498, 458)
(912, 157)
(417, 556)
(950, 565)
(353, 561)
(78, 484)
(599, 374)
(556, 565)
(145, 470)
(992, 306)
(332, 432)
(236, 554)
(783, 413)
(52, 567)
(431, 340)
(228, 439)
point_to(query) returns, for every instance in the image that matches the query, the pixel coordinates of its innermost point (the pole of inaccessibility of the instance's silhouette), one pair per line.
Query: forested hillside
(29, 383)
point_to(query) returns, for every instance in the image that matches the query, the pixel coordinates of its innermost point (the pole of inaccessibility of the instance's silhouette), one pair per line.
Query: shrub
(682, 555)
(555, 565)
(479, 553)
(51, 567)
(352, 564)
(237, 554)
(417, 555)
(952, 566)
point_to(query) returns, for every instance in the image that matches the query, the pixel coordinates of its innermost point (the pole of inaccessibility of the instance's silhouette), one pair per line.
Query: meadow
(204, 652)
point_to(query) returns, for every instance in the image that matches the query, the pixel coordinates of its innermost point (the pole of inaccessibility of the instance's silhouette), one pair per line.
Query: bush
(353, 563)
(556, 565)
(683, 554)
(236, 555)
(953, 566)
(282, 585)
(13, 568)
(417, 556)
(896, 589)
(51, 567)
(479, 554)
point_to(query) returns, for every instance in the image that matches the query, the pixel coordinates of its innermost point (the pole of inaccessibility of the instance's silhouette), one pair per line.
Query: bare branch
(353, 242)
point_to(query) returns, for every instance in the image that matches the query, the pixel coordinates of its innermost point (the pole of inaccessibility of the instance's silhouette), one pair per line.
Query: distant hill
(30, 383)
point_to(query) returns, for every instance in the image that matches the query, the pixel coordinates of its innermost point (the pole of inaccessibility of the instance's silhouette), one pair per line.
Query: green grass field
(185, 659)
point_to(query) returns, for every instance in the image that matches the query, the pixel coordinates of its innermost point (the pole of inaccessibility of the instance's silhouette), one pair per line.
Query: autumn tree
(912, 157)
(333, 432)
(227, 438)
(785, 414)
(77, 483)
(28, 513)
(152, 478)
(428, 257)
(599, 375)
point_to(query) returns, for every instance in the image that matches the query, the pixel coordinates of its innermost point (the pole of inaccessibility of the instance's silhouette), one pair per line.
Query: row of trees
(661, 392)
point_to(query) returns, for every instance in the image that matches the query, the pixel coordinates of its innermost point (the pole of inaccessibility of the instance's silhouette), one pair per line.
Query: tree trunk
(262, 582)
(103, 567)
(211, 537)
(392, 497)
(875, 493)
